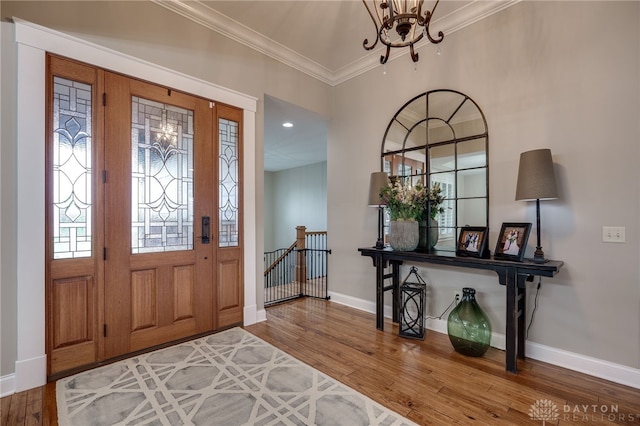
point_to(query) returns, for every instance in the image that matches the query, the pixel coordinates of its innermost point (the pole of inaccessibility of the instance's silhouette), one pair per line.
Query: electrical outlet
(457, 294)
(613, 234)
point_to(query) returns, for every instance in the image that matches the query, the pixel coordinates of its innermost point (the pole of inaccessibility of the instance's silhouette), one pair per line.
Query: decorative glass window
(229, 197)
(161, 177)
(72, 174)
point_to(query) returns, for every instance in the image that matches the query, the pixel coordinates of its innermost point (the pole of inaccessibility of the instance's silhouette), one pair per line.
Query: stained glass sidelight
(161, 177)
(228, 146)
(72, 176)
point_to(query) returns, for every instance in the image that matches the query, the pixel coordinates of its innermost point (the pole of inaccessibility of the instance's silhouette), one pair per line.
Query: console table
(510, 274)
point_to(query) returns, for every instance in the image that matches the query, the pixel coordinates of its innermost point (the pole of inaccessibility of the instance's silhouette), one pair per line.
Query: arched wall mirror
(441, 136)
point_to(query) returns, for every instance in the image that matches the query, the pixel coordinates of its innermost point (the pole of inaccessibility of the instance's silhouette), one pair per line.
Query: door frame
(33, 41)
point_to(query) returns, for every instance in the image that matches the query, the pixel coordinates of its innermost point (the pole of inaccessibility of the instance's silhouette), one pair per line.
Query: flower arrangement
(412, 202)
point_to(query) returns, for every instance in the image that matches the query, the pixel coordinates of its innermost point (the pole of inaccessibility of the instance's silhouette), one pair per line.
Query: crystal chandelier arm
(366, 40)
(427, 20)
(414, 55)
(385, 58)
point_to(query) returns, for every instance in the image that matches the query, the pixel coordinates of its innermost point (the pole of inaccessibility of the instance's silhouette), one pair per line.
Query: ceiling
(322, 38)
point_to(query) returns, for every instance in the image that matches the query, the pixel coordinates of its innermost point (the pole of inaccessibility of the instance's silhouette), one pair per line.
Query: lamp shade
(378, 181)
(536, 178)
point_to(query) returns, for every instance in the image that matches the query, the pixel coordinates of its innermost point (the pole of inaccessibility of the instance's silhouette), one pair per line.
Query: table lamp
(378, 181)
(536, 181)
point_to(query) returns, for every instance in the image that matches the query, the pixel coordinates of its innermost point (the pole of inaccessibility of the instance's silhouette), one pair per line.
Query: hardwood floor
(425, 381)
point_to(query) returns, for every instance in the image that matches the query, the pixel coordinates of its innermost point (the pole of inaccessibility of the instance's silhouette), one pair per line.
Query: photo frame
(512, 241)
(473, 241)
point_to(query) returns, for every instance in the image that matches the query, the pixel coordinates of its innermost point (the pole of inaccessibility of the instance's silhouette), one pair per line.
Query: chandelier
(405, 16)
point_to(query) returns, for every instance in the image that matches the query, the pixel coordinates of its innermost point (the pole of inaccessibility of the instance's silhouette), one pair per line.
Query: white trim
(262, 315)
(606, 370)
(33, 42)
(249, 219)
(30, 218)
(617, 373)
(31, 373)
(7, 385)
(210, 18)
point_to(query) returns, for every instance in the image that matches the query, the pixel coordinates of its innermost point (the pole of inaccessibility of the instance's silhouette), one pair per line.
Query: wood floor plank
(33, 413)
(17, 409)
(425, 381)
(5, 403)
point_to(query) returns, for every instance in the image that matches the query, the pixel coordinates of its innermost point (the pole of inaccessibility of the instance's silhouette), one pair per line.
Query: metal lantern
(412, 303)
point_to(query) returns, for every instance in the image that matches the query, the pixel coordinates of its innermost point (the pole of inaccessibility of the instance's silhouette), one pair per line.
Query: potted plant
(408, 205)
(432, 200)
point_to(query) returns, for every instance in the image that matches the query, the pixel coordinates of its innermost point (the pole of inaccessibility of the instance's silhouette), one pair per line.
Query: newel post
(301, 263)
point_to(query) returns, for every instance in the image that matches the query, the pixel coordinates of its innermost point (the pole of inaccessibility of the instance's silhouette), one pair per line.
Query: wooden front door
(138, 216)
(158, 188)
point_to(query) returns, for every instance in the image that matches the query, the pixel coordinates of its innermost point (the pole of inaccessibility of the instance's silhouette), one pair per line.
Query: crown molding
(210, 18)
(216, 21)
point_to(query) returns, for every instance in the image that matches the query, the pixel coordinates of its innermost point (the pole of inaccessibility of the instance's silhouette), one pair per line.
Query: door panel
(160, 153)
(72, 320)
(230, 296)
(73, 235)
(143, 299)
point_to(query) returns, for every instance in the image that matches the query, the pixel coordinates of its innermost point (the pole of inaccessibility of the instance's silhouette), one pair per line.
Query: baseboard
(31, 373)
(607, 370)
(7, 385)
(251, 315)
(261, 315)
(602, 369)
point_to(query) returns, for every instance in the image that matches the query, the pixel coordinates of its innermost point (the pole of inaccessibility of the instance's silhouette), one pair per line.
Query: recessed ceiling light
(287, 124)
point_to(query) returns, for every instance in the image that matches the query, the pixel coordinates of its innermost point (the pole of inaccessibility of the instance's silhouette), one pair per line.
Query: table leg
(395, 280)
(522, 314)
(511, 352)
(379, 292)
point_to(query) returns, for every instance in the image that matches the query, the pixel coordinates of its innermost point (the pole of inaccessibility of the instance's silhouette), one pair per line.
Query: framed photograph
(472, 241)
(512, 241)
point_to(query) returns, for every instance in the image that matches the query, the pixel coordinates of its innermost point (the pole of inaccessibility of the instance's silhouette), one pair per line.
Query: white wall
(268, 209)
(8, 292)
(558, 75)
(298, 197)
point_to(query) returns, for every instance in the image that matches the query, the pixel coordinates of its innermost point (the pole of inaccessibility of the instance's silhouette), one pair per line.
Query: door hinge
(104, 330)
(104, 176)
(104, 253)
(104, 99)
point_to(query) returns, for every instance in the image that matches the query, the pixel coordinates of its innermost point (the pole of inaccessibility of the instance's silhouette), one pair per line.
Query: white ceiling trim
(216, 21)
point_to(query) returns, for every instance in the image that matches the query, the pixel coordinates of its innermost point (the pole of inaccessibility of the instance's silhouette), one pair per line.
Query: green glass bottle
(468, 326)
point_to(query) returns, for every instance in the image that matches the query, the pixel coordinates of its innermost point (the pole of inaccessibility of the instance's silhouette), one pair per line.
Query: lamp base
(535, 260)
(538, 256)
(379, 244)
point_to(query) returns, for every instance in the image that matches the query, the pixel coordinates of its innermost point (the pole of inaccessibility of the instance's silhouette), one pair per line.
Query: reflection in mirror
(472, 183)
(452, 152)
(439, 131)
(471, 210)
(442, 158)
(472, 153)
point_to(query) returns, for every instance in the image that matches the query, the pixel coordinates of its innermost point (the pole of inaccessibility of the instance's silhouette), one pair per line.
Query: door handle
(206, 230)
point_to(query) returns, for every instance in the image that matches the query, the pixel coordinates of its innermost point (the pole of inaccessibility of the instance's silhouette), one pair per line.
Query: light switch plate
(613, 234)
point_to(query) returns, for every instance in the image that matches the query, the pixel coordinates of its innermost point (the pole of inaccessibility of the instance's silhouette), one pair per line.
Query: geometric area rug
(228, 378)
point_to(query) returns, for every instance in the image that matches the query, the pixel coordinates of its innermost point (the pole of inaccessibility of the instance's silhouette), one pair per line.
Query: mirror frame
(463, 109)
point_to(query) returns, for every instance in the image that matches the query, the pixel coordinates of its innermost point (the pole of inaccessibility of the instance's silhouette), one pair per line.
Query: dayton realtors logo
(547, 411)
